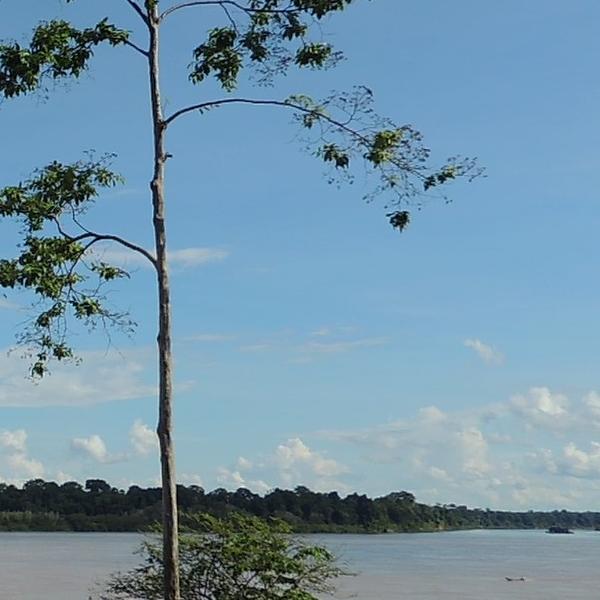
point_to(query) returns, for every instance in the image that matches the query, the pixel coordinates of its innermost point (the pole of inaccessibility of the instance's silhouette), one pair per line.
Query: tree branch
(224, 3)
(340, 125)
(281, 103)
(231, 19)
(139, 10)
(99, 237)
(137, 48)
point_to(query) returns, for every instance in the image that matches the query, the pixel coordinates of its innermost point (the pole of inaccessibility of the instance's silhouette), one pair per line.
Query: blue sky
(314, 344)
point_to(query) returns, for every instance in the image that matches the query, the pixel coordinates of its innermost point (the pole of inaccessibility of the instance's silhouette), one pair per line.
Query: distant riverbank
(97, 506)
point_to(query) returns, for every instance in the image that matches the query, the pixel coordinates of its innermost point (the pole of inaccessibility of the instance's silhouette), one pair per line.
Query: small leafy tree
(237, 558)
(262, 37)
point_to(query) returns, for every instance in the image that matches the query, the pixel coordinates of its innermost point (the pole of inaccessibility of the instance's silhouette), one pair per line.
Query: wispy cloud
(542, 407)
(94, 448)
(321, 332)
(535, 449)
(318, 343)
(101, 377)
(8, 305)
(581, 463)
(13, 440)
(486, 353)
(91, 447)
(210, 337)
(62, 477)
(25, 467)
(191, 479)
(184, 258)
(193, 257)
(261, 347)
(143, 440)
(333, 330)
(341, 346)
(16, 459)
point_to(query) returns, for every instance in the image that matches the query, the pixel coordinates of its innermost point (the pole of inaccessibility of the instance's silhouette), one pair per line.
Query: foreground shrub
(237, 558)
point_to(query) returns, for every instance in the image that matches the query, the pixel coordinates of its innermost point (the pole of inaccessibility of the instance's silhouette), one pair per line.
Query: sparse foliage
(237, 558)
(57, 50)
(57, 265)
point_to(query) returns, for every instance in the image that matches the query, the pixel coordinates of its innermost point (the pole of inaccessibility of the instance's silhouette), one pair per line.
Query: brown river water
(466, 565)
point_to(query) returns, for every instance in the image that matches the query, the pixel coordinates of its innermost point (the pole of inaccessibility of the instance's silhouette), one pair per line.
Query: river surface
(462, 565)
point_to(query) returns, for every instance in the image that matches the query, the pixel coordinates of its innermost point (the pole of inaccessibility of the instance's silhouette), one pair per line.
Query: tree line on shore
(97, 506)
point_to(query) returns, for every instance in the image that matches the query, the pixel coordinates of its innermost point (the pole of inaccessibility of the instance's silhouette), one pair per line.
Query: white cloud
(22, 466)
(101, 377)
(295, 454)
(291, 463)
(580, 463)
(592, 402)
(432, 414)
(527, 494)
(499, 438)
(193, 257)
(439, 474)
(190, 479)
(142, 438)
(120, 256)
(244, 464)
(62, 477)
(306, 347)
(483, 455)
(25, 467)
(293, 451)
(230, 478)
(571, 462)
(486, 353)
(234, 479)
(184, 257)
(541, 407)
(507, 455)
(474, 452)
(92, 447)
(14, 440)
(321, 332)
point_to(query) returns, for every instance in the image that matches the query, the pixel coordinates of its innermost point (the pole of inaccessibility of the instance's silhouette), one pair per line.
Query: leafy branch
(348, 130)
(58, 268)
(317, 8)
(57, 50)
(268, 35)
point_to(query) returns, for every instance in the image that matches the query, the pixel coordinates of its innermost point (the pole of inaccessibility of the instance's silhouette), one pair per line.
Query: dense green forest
(96, 506)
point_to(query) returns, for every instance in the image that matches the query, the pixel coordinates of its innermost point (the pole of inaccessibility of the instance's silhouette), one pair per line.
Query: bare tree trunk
(165, 365)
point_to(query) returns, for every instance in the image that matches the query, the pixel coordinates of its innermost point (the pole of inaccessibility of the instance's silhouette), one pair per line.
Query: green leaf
(314, 55)
(219, 55)
(399, 219)
(57, 50)
(54, 267)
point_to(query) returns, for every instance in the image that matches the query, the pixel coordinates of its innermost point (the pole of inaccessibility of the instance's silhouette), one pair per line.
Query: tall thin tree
(56, 260)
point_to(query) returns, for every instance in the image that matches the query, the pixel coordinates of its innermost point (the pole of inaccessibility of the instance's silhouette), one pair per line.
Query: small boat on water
(556, 529)
(515, 579)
